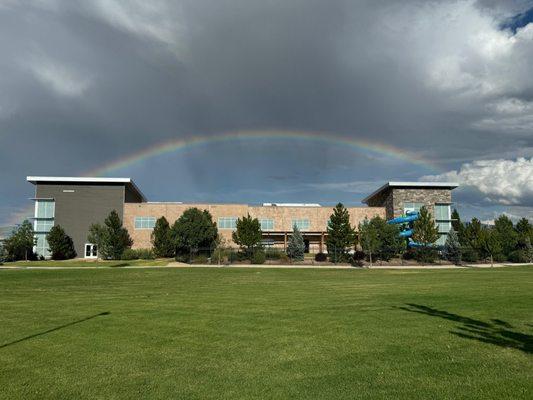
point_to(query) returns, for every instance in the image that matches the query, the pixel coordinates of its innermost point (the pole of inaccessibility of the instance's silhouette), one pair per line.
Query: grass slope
(244, 333)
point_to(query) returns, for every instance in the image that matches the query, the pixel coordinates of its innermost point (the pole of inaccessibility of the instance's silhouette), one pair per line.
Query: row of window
(226, 223)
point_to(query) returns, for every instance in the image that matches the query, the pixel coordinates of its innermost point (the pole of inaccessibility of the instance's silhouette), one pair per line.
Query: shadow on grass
(54, 329)
(495, 331)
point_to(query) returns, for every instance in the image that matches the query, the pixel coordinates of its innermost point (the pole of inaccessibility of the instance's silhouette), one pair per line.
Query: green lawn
(161, 262)
(248, 333)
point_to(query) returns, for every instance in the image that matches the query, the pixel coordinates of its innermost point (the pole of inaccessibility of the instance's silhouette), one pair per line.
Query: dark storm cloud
(83, 83)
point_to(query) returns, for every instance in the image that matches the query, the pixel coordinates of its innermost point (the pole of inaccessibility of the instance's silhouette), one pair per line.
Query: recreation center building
(77, 202)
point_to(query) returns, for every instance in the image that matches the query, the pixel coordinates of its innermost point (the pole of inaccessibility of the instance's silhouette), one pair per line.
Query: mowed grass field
(230, 333)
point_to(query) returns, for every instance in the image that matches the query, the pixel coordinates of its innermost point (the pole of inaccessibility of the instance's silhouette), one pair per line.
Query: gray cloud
(83, 83)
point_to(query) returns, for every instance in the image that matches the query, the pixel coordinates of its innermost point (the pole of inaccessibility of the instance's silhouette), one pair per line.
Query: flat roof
(428, 185)
(80, 179)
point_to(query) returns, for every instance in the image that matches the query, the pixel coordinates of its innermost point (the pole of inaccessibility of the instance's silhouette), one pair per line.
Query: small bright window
(144, 222)
(227, 223)
(301, 224)
(43, 225)
(412, 207)
(266, 224)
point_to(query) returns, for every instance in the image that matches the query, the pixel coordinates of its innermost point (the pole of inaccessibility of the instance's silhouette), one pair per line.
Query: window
(41, 245)
(444, 227)
(442, 212)
(44, 208)
(91, 251)
(227, 223)
(301, 224)
(412, 207)
(441, 241)
(144, 222)
(266, 224)
(44, 221)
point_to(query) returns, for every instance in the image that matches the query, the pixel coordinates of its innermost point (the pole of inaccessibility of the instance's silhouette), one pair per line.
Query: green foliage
(138, 254)
(61, 245)
(457, 225)
(341, 235)
(469, 254)
(162, 241)
(111, 238)
(524, 229)
(452, 248)
(425, 231)
(248, 233)
(369, 238)
(258, 257)
(274, 254)
(194, 231)
(506, 235)
(19, 246)
(471, 236)
(296, 245)
(390, 241)
(489, 240)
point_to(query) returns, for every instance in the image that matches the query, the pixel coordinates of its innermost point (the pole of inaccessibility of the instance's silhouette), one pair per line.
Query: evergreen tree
(452, 248)
(472, 249)
(506, 235)
(490, 243)
(369, 238)
(194, 231)
(341, 235)
(457, 225)
(61, 245)
(296, 245)
(19, 246)
(390, 243)
(248, 234)
(162, 241)
(111, 238)
(426, 233)
(524, 227)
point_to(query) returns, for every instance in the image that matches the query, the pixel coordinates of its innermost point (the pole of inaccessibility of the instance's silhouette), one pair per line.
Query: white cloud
(60, 78)
(506, 182)
(154, 19)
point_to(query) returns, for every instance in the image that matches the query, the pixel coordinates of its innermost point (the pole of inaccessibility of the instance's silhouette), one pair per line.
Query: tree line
(195, 235)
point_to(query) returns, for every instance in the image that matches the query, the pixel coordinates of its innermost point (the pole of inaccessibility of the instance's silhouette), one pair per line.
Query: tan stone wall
(282, 216)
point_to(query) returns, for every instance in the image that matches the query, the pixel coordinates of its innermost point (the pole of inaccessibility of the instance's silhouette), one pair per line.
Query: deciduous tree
(248, 234)
(194, 231)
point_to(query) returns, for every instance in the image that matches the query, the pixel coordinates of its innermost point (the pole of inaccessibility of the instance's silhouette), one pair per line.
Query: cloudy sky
(434, 90)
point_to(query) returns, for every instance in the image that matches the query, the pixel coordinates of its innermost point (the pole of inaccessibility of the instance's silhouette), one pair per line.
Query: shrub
(145, 254)
(519, 256)
(321, 257)
(358, 255)
(200, 259)
(234, 256)
(129, 254)
(258, 257)
(274, 254)
(426, 254)
(468, 254)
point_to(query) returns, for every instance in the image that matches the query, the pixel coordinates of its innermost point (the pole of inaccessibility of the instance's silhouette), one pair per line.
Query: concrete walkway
(267, 266)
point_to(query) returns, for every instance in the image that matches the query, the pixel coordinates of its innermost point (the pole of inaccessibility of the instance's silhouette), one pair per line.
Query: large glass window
(227, 223)
(444, 226)
(301, 224)
(41, 245)
(144, 222)
(412, 207)
(44, 208)
(43, 225)
(442, 212)
(266, 224)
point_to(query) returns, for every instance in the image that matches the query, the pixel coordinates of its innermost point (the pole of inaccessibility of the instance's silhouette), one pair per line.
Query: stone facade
(417, 195)
(281, 215)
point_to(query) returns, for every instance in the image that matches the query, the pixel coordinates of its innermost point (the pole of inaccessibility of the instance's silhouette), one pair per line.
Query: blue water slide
(406, 233)
(403, 219)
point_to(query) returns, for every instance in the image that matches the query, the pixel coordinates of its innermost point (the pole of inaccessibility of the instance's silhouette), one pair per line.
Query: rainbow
(174, 145)
(183, 144)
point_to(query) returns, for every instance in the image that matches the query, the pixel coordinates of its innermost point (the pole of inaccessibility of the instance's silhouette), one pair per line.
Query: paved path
(263, 266)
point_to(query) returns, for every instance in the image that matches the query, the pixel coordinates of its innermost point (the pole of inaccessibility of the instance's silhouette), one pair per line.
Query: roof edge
(397, 184)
